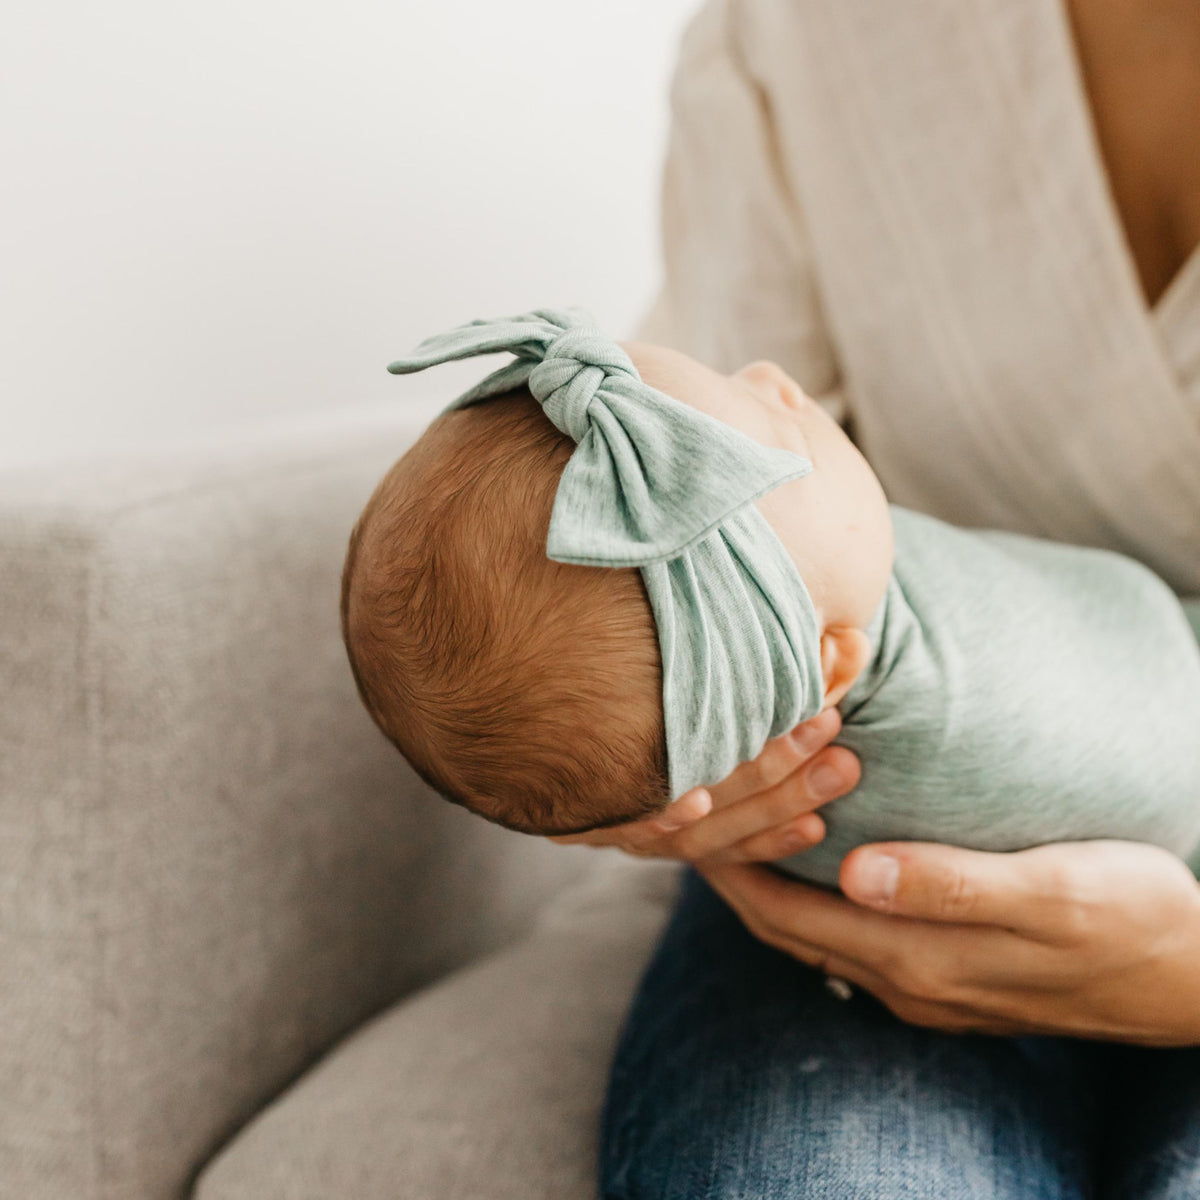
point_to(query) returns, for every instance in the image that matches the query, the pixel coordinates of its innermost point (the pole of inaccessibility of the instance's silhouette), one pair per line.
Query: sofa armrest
(211, 863)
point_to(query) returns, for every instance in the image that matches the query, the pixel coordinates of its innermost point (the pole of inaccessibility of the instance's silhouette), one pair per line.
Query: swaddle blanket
(1021, 692)
(655, 484)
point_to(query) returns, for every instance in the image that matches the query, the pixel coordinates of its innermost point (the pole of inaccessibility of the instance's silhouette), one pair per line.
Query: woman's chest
(1140, 65)
(999, 357)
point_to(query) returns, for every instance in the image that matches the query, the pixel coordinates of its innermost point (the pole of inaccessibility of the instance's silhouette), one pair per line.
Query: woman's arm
(739, 283)
(1087, 939)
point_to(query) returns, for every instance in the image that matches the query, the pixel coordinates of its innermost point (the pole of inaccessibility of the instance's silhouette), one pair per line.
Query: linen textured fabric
(658, 485)
(1021, 691)
(922, 235)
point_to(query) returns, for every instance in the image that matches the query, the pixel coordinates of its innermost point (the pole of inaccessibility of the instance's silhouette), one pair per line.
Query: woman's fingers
(757, 813)
(817, 921)
(684, 811)
(768, 822)
(689, 807)
(890, 955)
(1032, 892)
(775, 814)
(780, 757)
(785, 909)
(792, 837)
(765, 826)
(776, 911)
(1091, 939)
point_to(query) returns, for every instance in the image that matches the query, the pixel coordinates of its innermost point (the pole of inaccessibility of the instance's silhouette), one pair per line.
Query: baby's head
(527, 690)
(531, 690)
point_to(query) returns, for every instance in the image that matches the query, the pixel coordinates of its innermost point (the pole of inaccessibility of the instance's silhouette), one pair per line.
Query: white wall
(212, 214)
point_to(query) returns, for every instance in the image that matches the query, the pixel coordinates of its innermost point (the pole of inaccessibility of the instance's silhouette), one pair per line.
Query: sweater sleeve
(738, 281)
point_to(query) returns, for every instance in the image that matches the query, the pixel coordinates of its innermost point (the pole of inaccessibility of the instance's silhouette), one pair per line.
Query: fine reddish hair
(526, 690)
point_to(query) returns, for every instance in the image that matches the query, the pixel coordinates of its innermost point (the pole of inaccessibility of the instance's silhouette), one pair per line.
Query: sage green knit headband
(656, 484)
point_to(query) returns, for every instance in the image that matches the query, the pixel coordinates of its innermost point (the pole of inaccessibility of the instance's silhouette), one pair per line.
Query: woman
(971, 229)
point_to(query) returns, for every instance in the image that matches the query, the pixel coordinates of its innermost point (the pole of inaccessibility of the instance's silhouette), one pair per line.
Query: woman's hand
(1090, 939)
(762, 811)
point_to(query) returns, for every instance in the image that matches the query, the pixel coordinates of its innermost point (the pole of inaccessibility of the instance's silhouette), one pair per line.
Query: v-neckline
(1085, 124)
(1185, 282)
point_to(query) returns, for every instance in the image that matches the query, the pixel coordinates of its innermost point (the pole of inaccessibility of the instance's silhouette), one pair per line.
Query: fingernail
(806, 830)
(813, 729)
(878, 877)
(684, 811)
(824, 782)
(813, 827)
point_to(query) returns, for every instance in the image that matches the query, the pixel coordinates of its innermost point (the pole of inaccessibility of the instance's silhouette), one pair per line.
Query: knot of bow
(576, 365)
(651, 475)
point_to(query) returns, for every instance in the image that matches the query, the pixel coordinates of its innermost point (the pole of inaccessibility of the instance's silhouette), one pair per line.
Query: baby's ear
(845, 651)
(771, 377)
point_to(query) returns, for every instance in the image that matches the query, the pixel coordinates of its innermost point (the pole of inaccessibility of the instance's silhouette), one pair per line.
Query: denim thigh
(739, 1075)
(1151, 1142)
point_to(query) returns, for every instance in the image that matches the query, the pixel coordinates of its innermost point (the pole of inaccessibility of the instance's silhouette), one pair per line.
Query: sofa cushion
(212, 864)
(486, 1086)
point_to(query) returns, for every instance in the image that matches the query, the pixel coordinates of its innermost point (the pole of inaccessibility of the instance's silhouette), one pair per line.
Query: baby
(608, 573)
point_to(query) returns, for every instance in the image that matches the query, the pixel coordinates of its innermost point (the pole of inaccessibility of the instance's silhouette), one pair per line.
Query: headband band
(656, 484)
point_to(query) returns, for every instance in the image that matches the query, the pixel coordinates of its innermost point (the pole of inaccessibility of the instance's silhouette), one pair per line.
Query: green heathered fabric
(1021, 691)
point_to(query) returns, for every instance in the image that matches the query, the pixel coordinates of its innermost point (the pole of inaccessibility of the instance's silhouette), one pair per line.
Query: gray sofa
(244, 953)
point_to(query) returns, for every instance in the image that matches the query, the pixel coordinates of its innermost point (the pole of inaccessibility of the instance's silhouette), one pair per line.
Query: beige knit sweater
(906, 207)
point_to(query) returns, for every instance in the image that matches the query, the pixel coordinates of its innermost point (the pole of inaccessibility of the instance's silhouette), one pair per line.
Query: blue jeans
(739, 1076)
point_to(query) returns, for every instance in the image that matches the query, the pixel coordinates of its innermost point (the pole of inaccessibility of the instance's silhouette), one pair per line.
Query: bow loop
(651, 477)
